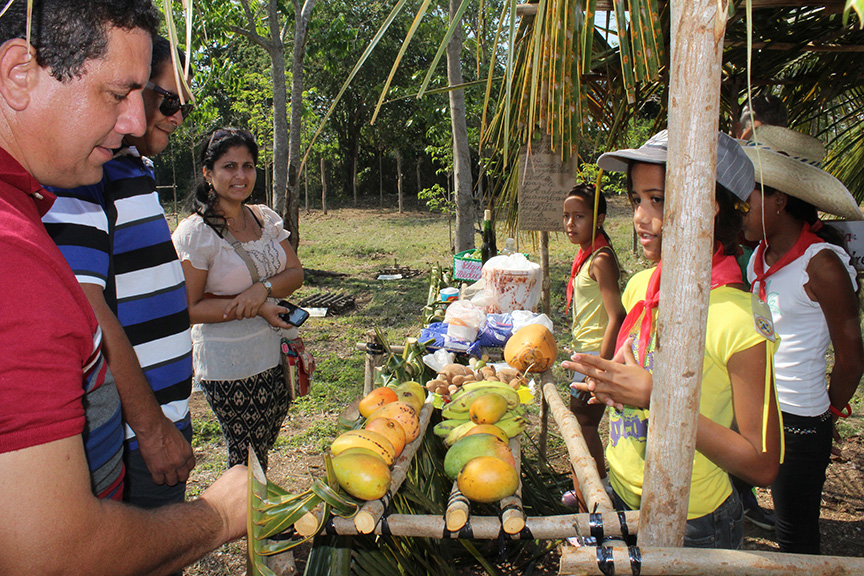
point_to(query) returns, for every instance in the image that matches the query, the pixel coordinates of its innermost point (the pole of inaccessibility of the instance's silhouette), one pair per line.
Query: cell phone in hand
(295, 315)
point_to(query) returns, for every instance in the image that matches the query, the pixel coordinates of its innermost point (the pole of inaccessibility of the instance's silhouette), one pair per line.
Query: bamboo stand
(370, 514)
(489, 527)
(512, 514)
(458, 510)
(581, 460)
(696, 562)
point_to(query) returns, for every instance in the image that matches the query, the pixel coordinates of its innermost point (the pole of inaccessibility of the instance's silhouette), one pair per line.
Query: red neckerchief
(724, 270)
(805, 239)
(582, 257)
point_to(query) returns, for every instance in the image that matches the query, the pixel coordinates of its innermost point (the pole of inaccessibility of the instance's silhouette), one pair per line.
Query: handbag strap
(244, 255)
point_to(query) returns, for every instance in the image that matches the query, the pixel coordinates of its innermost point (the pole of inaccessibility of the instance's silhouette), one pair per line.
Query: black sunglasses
(171, 102)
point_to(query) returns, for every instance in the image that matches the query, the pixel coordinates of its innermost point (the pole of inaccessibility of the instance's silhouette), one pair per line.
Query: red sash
(724, 270)
(582, 257)
(806, 239)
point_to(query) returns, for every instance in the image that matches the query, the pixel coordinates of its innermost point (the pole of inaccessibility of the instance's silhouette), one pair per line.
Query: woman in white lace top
(237, 330)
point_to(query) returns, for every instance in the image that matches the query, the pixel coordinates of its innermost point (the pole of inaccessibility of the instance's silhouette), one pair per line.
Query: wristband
(844, 413)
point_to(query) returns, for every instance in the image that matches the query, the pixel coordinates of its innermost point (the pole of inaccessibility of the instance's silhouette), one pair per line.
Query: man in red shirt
(67, 98)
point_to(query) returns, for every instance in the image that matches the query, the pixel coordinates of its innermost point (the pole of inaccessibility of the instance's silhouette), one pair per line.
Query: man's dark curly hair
(68, 33)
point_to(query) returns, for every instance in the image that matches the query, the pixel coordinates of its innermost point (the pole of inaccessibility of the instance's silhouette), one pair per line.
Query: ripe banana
(457, 432)
(512, 425)
(443, 428)
(448, 413)
(468, 386)
(461, 402)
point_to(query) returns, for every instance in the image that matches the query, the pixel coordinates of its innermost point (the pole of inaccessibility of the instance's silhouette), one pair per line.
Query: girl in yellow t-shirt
(738, 354)
(595, 297)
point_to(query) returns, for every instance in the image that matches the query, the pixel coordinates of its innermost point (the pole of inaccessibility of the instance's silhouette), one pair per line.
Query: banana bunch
(457, 418)
(454, 429)
(461, 401)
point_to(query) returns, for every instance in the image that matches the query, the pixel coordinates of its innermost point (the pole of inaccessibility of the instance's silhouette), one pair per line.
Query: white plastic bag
(439, 359)
(525, 317)
(511, 283)
(464, 320)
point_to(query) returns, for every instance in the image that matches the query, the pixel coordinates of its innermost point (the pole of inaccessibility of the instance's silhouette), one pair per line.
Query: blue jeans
(719, 529)
(797, 491)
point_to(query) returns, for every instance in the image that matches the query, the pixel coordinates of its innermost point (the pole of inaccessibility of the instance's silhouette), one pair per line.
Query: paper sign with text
(853, 234)
(544, 182)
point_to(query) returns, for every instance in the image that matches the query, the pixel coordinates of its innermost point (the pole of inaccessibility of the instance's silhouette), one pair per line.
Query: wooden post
(546, 306)
(380, 181)
(399, 178)
(323, 187)
(354, 178)
(694, 109)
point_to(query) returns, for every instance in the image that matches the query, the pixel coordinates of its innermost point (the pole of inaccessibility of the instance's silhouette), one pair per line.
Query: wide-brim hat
(734, 170)
(790, 162)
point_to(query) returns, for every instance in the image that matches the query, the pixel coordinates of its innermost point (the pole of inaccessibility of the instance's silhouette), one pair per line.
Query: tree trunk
(380, 181)
(399, 178)
(419, 185)
(694, 110)
(461, 151)
(354, 176)
(306, 180)
(323, 186)
(291, 212)
(276, 50)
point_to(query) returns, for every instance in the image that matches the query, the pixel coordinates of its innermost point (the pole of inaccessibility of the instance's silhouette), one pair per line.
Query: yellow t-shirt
(730, 330)
(589, 314)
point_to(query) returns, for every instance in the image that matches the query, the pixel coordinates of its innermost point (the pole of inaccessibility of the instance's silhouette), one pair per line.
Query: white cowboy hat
(790, 161)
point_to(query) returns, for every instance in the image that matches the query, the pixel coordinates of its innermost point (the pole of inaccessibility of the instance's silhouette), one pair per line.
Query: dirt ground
(842, 522)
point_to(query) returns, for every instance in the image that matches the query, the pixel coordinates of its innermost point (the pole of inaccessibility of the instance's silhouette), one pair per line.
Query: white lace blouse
(239, 348)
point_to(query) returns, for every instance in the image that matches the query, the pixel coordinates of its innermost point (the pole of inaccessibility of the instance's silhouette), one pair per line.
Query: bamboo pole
(697, 33)
(458, 510)
(698, 562)
(489, 527)
(580, 458)
(545, 377)
(371, 512)
(512, 514)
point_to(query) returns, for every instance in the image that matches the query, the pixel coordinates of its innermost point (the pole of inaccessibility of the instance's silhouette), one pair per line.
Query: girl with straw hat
(804, 275)
(736, 379)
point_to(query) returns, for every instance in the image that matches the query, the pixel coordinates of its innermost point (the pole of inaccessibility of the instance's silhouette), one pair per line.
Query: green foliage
(438, 199)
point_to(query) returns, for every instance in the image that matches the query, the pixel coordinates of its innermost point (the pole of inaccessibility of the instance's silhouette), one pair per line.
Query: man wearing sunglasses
(115, 237)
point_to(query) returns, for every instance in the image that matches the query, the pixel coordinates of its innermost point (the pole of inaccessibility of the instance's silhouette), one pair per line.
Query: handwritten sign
(853, 234)
(544, 182)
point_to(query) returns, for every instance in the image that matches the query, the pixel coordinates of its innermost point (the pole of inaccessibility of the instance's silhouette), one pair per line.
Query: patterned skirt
(250, 412)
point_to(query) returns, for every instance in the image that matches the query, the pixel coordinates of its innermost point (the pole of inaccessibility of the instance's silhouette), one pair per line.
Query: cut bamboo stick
(371, 512)
(512, 514)
(697, 562)
(458, 510)
(308, 523)
(581, 460)
(489, 527)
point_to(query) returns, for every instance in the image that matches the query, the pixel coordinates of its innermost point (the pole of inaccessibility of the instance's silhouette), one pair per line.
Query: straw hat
(734, 172)
(790, 161)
